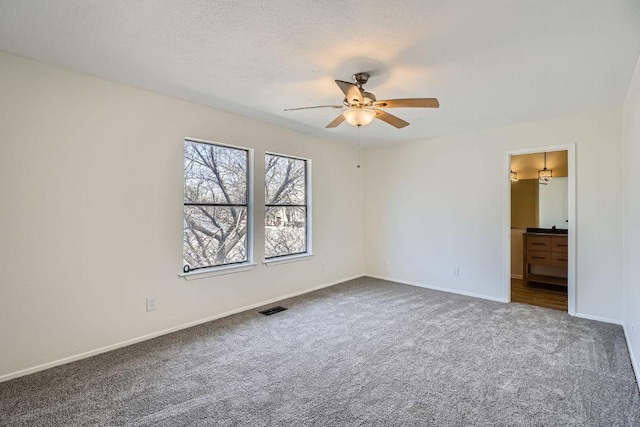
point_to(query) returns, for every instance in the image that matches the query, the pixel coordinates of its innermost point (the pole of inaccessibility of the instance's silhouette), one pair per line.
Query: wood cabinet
(545, 250)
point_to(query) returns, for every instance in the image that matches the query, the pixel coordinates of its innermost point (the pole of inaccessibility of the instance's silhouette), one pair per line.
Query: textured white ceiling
(489, 62)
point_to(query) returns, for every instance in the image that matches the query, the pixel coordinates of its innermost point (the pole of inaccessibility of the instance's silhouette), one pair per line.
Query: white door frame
(571, 270)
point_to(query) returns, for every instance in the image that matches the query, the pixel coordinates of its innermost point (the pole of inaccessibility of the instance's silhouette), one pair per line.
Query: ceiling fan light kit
(362, 106)
(359, 116)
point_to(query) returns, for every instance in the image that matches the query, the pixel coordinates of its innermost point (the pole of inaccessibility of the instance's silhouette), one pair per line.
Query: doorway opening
(540, 222)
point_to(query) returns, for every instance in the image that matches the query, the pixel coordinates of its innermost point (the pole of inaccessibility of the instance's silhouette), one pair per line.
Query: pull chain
(358, 166)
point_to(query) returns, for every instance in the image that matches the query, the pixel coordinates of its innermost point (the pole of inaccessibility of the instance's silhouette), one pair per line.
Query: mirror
(535, 203)
(553, 205)
(539, 205)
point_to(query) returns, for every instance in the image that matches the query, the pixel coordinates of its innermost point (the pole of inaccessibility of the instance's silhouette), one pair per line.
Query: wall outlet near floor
(152, 303)
(456, 271)
(384, 261)
(323, 267)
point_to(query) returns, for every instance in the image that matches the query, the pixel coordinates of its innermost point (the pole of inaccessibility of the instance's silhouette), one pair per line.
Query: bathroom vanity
(545, 257)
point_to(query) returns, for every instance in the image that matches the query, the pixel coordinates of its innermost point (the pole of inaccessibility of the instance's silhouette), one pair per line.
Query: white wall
(91, 214)
(435, 205)
(631, 217)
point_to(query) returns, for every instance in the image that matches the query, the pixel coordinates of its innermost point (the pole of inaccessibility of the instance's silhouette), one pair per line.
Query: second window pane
(285, 230)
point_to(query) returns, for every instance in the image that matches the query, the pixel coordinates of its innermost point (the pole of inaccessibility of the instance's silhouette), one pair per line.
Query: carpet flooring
(363, 353)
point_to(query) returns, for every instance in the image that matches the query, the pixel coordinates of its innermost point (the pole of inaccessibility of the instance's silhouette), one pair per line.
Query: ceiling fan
(361, 107)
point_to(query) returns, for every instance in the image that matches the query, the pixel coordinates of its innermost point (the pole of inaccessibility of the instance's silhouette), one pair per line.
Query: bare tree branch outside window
(285, 206)
(215, 205)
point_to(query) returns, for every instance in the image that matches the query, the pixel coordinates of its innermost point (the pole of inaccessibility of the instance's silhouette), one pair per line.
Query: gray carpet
(363, 353)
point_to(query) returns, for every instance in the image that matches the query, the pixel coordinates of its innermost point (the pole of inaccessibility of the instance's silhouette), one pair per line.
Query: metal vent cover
(272, 310)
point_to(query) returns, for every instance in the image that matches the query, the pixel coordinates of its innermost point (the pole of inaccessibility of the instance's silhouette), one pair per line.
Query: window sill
(217, 271)
(287, 259)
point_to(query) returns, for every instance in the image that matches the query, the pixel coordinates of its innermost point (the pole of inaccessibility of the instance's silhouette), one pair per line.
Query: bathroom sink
(547, 230)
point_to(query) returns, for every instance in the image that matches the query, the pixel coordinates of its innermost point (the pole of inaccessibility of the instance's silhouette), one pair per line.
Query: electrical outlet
(384, 261)
(323, 267)
(152, 303)
(456, 271)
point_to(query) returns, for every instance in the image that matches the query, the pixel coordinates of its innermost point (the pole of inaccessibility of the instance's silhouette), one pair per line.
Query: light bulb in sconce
(359, 116)
(545, 174)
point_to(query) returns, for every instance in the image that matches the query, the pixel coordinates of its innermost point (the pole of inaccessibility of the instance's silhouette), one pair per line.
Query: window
(216, 205)
(286, 206)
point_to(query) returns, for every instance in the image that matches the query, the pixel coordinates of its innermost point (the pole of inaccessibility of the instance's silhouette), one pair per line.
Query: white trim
(223, 144)
(516, 276)
(223, 269)
(309, 207)
(287, 259)
(203, 273)
(291, 156)
(506, 218)
(634, 366)
(308, 201)
(250, 205)
(572, 213)
(438, 288)
(598, 318)
(126, 343)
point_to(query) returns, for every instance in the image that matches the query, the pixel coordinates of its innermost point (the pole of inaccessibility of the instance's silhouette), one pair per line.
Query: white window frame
(284, 259)
(217, 270)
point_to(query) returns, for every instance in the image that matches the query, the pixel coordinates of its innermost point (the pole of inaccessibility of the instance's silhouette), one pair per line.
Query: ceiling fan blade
(338, 120)
(351, 92)
(394, 121)
(317, 106)
(408, 103)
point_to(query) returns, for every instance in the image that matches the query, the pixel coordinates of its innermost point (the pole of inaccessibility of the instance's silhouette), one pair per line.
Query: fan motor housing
(369, 98)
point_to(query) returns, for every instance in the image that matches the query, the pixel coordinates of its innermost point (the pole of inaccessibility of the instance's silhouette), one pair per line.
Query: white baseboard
(126, 343)
(598, 318)
(516, 276)
(634, 364)
(437, 288)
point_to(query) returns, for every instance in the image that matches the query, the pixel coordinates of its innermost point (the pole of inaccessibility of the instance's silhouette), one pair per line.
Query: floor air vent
(272, 310)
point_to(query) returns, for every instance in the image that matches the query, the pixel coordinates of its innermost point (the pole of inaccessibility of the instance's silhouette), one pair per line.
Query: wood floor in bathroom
(548, 296)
